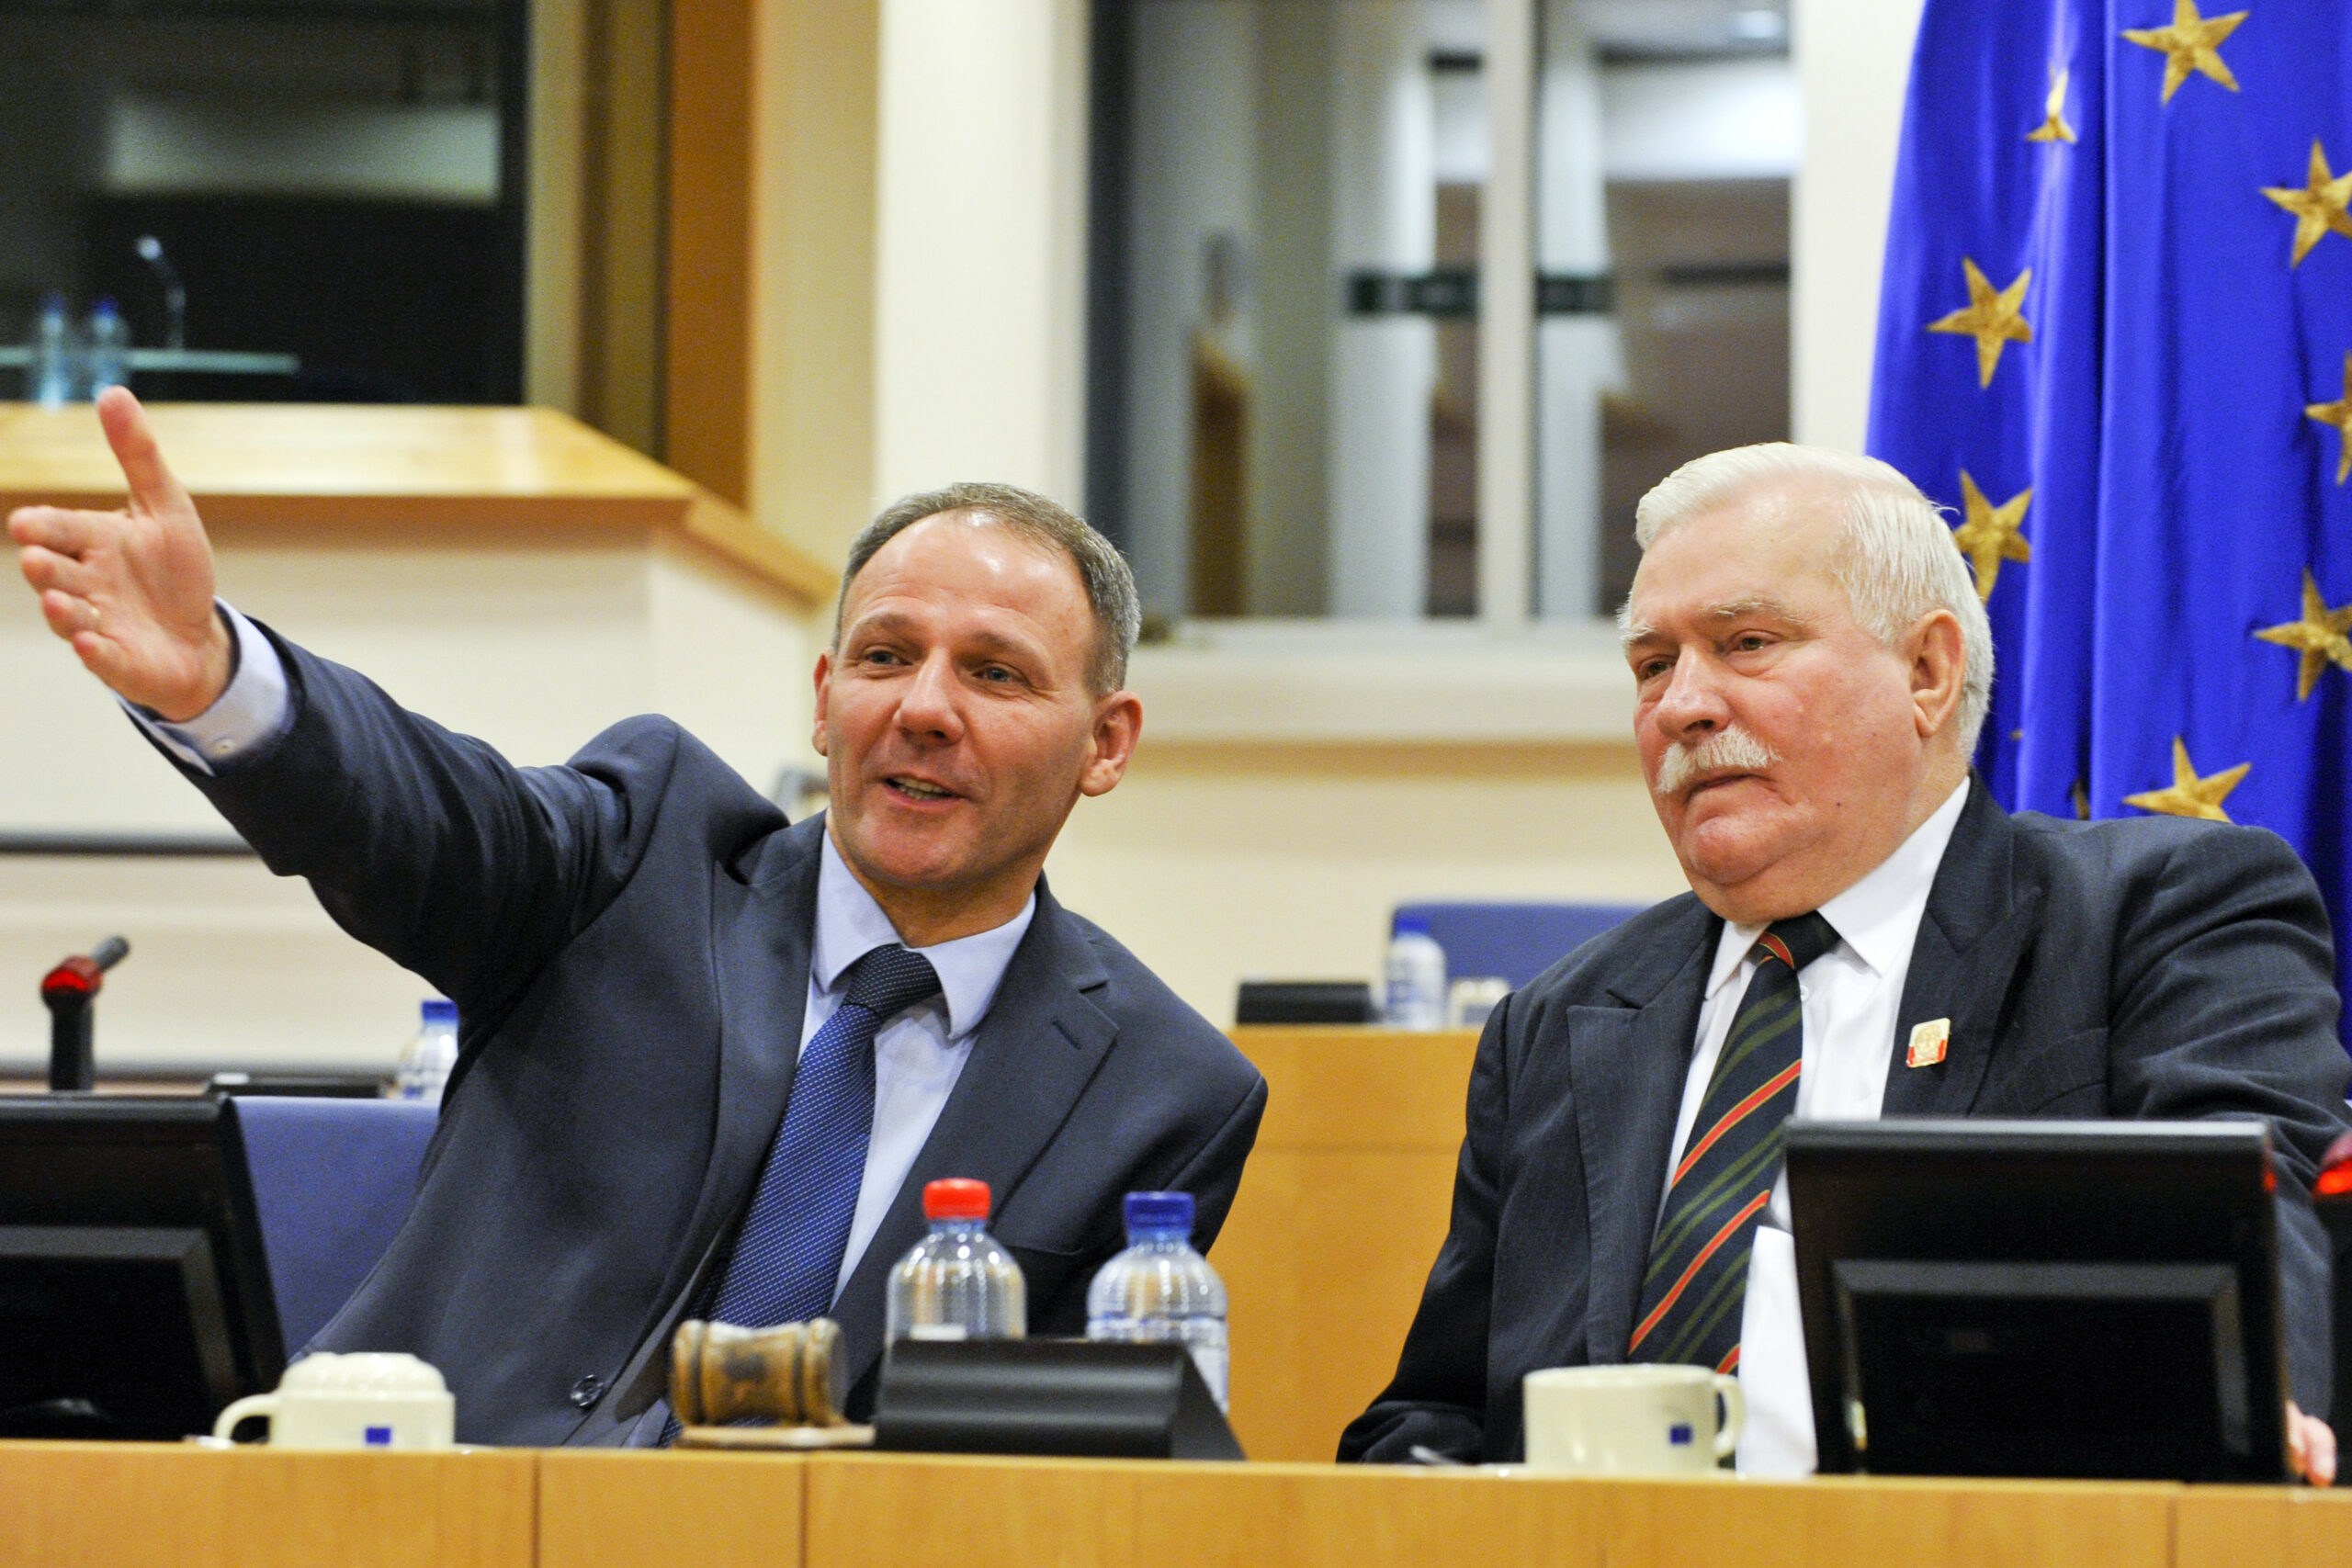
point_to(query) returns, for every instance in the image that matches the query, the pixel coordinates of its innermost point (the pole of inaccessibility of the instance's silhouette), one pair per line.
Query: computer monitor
(134, 1297)
(2095, 1299)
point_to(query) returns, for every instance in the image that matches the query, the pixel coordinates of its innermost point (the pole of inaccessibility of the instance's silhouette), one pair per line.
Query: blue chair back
(333, 1178)
(1517, 942)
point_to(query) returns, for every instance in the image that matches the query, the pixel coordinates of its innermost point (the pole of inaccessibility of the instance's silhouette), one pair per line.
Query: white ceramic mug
(366, 1400)
(1631, 1420)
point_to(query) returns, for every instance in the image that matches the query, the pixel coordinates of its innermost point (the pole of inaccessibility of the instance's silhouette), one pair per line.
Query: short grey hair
(1110, 586)
(1898, 562)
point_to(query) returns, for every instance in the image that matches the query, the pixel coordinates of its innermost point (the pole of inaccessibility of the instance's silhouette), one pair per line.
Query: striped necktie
(1697, 1280)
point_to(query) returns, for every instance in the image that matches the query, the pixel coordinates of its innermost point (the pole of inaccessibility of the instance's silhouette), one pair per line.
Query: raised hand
(132, 590)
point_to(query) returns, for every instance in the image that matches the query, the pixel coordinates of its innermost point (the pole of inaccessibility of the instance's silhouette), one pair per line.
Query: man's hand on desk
(2311, 1447)
(132, 590)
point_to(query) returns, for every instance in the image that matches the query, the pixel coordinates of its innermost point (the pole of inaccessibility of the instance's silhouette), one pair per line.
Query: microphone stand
(67, 991)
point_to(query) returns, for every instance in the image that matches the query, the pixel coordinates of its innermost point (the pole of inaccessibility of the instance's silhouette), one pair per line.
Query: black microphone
(67, 991)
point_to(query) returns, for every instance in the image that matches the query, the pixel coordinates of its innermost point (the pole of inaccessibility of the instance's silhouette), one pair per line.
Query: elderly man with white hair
(1812, 666)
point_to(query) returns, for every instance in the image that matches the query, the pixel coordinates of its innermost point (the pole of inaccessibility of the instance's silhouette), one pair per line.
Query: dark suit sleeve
(1438, 1398)
(1214, 1175)
(2225, 1005)
(429, 846)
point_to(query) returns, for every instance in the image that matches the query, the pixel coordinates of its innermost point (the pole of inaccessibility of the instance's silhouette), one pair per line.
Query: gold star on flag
(1990, 533)
(1991, 318)
(2339, 414)
(2054, 126)
(2319, 636)
(2191, 795)
(2318, 207)
(2191, 43)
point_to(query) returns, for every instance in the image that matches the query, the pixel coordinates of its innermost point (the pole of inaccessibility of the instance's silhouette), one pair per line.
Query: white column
(1853, 60)
(1577, 358)
(1382, 367)
(980, 296)
(1507, 320)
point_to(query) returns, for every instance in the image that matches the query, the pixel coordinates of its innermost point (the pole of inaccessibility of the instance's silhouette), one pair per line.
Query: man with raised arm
(708, 1059)
(1811, 666)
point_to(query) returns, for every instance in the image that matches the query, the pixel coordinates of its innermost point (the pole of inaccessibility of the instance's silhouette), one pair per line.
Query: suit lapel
(1627, 1066)
(1033, 1055)
(1975, 929)
(762, 935)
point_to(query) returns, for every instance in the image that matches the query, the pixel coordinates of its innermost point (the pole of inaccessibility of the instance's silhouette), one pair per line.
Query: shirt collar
(1878, 918)
(850, 925)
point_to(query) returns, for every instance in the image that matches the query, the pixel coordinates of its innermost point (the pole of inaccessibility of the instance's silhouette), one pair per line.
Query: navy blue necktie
(789, 1253)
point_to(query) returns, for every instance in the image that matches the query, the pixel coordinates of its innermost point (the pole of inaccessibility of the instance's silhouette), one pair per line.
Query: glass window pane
(1667, 134)
(1285, 303)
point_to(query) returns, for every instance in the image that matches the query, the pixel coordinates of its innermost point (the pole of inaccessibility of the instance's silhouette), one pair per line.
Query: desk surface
(519, 1508)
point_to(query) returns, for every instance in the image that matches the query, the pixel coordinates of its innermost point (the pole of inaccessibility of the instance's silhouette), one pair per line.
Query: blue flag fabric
(2115, 337)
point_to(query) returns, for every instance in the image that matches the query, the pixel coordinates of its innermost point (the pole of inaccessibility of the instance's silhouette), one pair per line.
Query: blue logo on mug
(382, 1437)
(1679, 1434)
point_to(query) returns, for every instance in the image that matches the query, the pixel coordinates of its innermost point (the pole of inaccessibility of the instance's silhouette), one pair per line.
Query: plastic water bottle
(425, 1063)
(110, 348)
(1159, 1289)
(1416, 976)
(49, 374)
(957, 1284)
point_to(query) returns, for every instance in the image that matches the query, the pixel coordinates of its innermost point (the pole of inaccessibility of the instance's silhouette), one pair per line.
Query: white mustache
(1727, 750)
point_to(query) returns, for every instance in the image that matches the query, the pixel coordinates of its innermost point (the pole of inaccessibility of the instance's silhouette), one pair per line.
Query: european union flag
(2116, 339)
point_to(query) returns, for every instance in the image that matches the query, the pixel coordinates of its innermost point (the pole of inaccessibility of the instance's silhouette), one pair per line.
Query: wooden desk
(1340, 1216)
(74, 1504)
(126, 1505)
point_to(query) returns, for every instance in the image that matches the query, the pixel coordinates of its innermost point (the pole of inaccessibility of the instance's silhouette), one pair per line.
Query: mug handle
(252, 1404)
(1734, 1414)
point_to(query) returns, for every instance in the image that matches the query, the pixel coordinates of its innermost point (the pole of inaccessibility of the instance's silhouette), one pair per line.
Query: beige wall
(532, 649)
(1217, 863)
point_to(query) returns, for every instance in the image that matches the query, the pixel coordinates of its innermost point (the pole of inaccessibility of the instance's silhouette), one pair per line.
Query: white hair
(1898, 562)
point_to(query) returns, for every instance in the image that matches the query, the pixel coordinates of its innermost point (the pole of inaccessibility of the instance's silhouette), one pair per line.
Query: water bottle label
(937, 1331)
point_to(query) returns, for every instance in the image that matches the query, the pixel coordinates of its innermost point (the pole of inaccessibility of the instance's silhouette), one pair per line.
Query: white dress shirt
(917, 1055)
(1850, 997)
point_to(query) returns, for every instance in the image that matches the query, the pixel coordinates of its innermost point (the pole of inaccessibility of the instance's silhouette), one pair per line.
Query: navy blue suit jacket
(627, 939)
(2149, 968)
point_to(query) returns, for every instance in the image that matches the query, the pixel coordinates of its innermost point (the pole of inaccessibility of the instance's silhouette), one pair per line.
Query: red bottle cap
(2335, 1170)
(956, 1198)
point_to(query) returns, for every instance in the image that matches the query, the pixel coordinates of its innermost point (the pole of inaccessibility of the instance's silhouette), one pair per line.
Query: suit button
(587, 1392)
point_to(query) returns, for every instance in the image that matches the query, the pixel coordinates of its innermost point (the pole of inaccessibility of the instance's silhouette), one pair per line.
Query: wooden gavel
(720, 1373)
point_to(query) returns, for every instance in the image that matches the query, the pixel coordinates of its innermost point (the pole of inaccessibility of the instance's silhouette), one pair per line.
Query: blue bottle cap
(1411, 925)
(437, 1011)
(1160, 1213)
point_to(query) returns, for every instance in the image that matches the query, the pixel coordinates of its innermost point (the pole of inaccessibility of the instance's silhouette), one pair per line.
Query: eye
(1651, 669)
(1750, 642)
(878, 656)
(996, 675)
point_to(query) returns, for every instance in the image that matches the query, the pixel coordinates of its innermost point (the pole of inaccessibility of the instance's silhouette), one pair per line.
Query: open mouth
(917, 789)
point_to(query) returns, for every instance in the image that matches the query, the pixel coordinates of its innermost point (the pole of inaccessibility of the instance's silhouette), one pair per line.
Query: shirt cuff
(254, 711)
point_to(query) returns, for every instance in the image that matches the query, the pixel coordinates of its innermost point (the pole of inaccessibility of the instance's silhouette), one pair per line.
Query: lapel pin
(1928, 1043)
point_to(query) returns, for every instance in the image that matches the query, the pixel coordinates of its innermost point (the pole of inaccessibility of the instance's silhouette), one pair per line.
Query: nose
(1691, 707)
(927, 702)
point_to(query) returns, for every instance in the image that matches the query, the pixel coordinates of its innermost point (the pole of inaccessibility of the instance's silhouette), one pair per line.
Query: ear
(1939, 668)
(1119, 724)
(824, 690)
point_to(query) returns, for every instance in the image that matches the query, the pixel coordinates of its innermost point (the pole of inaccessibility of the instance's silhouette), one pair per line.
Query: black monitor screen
(2041, 1298)
(134, 1298)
